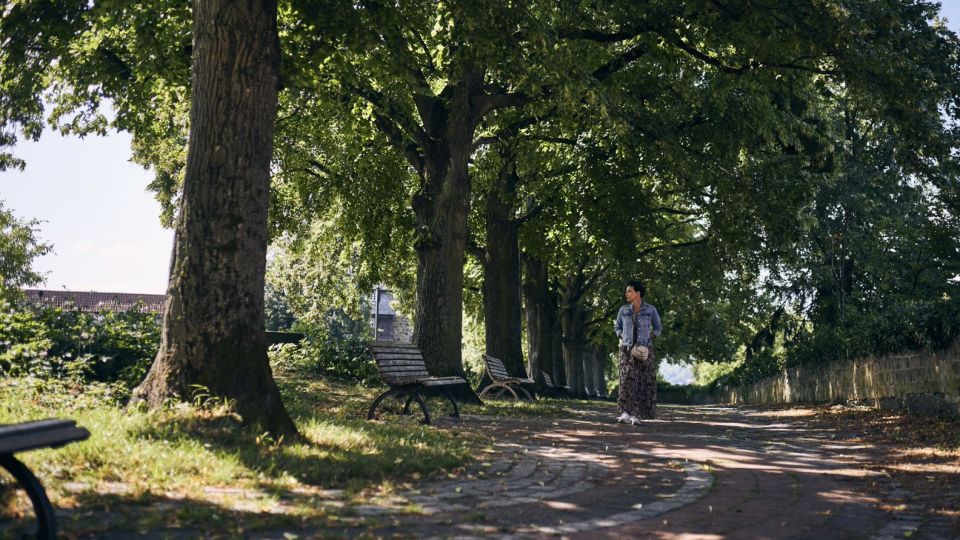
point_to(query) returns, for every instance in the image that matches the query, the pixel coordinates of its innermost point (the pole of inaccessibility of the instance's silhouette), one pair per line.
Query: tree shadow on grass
(340, 452)
(99, 515)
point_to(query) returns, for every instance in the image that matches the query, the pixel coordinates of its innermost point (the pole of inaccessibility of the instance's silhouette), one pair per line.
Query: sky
(95, 209)
(97, 212)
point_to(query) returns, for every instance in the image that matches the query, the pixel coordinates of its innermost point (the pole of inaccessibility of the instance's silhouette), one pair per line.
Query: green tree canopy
(19, 248)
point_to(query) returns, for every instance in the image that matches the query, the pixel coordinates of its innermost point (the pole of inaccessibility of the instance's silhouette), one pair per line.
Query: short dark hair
(637, 286)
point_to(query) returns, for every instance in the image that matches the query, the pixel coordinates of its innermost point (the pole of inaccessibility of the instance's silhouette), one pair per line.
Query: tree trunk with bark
(600, 370)
(541, 316)
(589, 370)
(213, 322)
(441, 207)
(574, 333)
(556, 346)
(503, 324)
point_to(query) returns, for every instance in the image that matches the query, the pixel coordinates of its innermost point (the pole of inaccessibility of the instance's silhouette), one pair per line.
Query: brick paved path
(698, 472)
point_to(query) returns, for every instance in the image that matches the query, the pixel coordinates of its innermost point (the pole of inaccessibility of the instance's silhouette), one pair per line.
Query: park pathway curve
(697, 472)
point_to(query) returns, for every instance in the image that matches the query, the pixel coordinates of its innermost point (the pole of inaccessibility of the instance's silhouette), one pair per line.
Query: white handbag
(639, 352)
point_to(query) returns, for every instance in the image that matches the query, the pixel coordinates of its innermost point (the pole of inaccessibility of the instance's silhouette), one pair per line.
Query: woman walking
(637, 324)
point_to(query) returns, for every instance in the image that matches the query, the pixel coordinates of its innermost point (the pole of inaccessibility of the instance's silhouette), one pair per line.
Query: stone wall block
(926, 383)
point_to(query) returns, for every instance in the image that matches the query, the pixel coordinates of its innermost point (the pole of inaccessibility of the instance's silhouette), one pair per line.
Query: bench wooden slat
(394, 348)
(548, 380)
(426, 380)
(389, 364)
(395, 378)
(499, 371)
(404, 373)
(444, 381)
(404, 381)
(382, 357)
(39, 434)
(407, 365)
(36, 425)
(391, 377)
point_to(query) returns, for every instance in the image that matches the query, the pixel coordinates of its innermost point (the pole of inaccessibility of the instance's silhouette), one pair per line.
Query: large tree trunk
(541, 315)
(556, 346)
(589, 371)
(574, 328)
(574, 333)
(501, 272)
(573, 349)
(600, 370)
(213, 325)
(441, 208)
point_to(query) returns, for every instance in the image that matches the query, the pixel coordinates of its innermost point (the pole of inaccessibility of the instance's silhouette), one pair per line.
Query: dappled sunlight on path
(698, 472)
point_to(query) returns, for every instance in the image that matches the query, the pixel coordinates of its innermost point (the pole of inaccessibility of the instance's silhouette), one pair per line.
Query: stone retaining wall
(925, 383)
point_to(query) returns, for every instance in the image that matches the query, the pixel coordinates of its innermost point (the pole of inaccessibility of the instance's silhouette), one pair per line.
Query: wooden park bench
(554, 390)
(31, 436)
(502, 381)
(401, 366)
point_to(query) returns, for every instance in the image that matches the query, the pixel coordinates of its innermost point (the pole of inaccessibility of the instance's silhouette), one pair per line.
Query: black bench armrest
(51, 433)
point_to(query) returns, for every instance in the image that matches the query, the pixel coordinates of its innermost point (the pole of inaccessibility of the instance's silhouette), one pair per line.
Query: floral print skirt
(638, 385)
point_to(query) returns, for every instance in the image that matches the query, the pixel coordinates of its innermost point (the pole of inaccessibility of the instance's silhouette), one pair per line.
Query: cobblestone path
(698, 472)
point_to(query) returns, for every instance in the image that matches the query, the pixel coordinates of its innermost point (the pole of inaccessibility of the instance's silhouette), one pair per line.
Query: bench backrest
(398, 363)
(495, 368)
(547, 379)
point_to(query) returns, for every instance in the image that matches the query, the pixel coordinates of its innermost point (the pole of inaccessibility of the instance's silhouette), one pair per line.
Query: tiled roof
(95, 301)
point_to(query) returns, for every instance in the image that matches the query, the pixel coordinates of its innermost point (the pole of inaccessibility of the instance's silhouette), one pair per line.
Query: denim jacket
(649, 323)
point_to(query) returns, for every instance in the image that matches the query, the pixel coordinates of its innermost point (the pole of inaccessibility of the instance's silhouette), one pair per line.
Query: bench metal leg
(414, 396)
(42, 509)
(373, 407)
(453, 401)
(524, 390)
(485, 390)
(501, 387)
(423, 405)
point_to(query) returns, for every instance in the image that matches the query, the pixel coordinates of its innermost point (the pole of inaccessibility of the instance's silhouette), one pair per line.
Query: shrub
(334, 345)
(51, 342)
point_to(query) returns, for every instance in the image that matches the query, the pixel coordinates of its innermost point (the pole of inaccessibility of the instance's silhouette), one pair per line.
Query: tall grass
(200, 454)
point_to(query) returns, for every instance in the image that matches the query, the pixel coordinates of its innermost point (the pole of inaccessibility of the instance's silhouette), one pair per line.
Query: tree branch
(506, 132)
(403, 132)
(707, 59)
(560, 172)
(557, 140)
(396, 44)
(532, 211)
(599, 36)
(491, 102)
(672, 246)
(676, 211)
(320, 167)
(738, 70)
(617, 63)
(399, 141)
(424, 48)
(596, 274)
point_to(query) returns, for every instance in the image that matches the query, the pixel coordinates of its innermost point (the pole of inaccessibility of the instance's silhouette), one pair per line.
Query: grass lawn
(194, 466)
